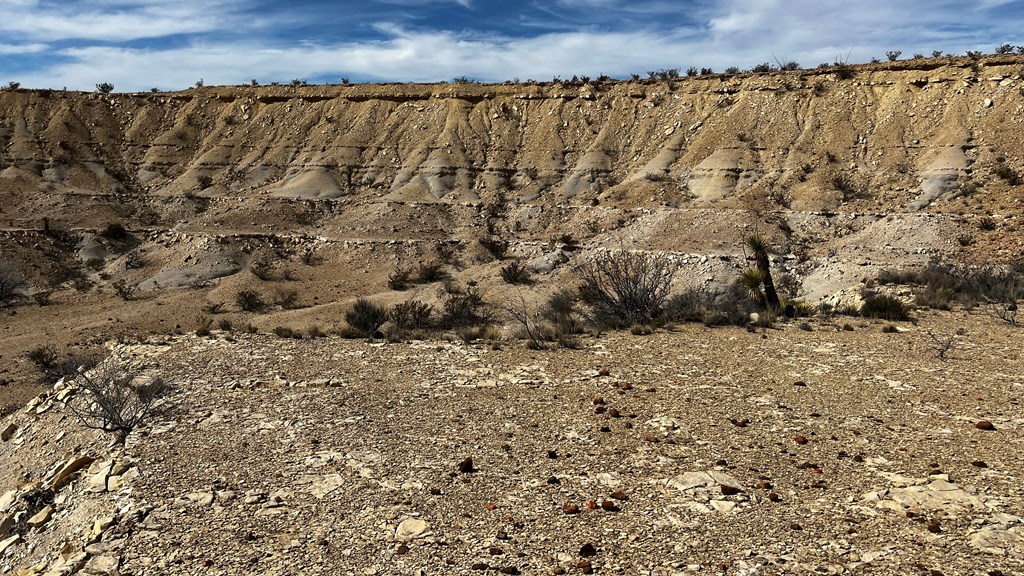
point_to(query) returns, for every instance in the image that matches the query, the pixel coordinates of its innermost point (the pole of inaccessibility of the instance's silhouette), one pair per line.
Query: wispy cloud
(112, 20)
(228, 41)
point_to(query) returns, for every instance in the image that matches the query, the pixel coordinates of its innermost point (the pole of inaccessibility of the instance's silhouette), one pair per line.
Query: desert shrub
(411, 315)
(690, 305)
(429, 272)
(890, 329)
(12, 86)
(287, 299)
(283, 332)
(885, 307)
(463, 306)
(366, 318)
(625, 288)
(496, 247)
(641, 330)
(250, 301)
(225, 325)
(561, 312)
(113, 397)
(44, 357)
(315, 331)
(203, 325)
(805, 326)
(114, 231)
(893, 55)
(204, 181)
(126, 291)
(400, 279)
(10, 282)
(262, 268)
(516, 272)
(1008, 174)
(800, 308)
(730, 305)
(105, 88)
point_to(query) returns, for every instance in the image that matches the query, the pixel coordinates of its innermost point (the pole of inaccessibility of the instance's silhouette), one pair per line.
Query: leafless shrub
(522, 315)
(463, 306)
(943, 343)
(411, 315)
(625, 288)
(114, 397)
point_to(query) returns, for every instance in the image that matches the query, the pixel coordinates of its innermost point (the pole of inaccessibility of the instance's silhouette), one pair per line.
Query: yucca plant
(759, 247)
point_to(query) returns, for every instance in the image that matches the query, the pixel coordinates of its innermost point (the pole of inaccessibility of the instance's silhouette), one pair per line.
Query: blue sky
(170, 44)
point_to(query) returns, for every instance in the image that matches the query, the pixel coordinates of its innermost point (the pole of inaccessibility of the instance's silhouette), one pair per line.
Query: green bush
(885, 307)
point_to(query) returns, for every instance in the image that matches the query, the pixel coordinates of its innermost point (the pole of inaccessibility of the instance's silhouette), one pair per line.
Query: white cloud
(728, 33)
(114, 20)
(22, 48)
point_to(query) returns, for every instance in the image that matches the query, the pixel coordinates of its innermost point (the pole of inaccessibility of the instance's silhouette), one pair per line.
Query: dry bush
(113, 397)
(625, 288)
(411, 315)
(250, 301)
(463, 306)
(366, 318)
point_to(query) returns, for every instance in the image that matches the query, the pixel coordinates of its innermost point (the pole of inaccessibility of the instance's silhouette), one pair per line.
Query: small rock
(584, 567)
(800, 439)
(979, 464)
(619, 495)
(934, 526)
(604, 372)
(481, 566)
(8, 432)
(730, 490)
(571, 509)
(985, 425)
(741, 423)
(495, 551)
(613, 412)
(554, 480)
(610, 506)
(402, 549)
(552, 454)
(588, 550)
(466, 466)
(799, 383)
(435, 491)
(41, 517)
(411, 529)
(774, 497)
(598, 399)
(509, 570)
(795, 526)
